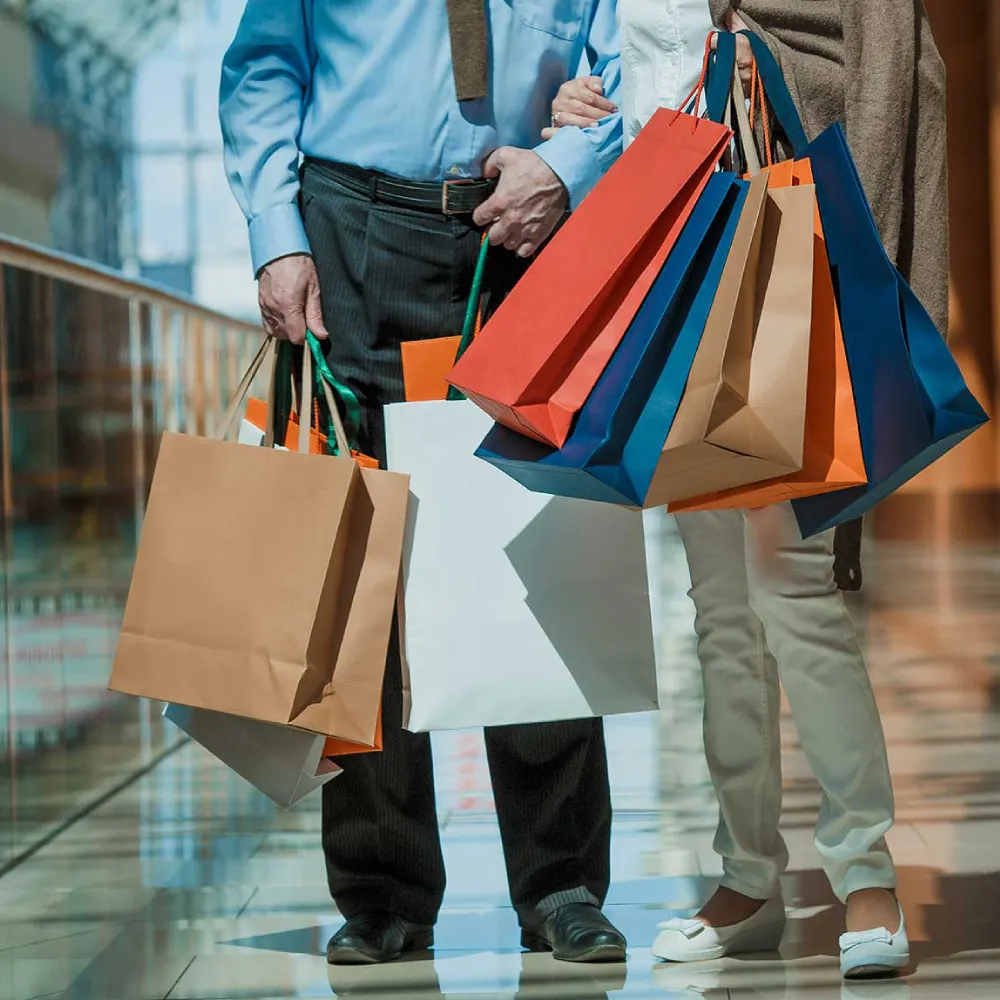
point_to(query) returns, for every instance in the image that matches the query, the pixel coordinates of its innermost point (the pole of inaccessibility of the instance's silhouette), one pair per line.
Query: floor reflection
(187, 884)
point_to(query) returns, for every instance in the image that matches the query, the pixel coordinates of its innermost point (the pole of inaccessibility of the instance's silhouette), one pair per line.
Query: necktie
(467, 27)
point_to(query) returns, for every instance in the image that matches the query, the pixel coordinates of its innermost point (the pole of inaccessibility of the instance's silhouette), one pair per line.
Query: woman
(766, 601)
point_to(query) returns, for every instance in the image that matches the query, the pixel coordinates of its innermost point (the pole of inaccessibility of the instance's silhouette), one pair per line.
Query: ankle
(728, 907)
(868, 909)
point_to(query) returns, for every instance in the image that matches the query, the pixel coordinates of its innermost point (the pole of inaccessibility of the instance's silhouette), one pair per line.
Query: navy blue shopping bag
(631, 408)
(912, 402)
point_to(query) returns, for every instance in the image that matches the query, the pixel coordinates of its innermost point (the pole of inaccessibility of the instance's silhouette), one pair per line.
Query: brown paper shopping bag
(832, 458)
(742, 417)
(307, 648)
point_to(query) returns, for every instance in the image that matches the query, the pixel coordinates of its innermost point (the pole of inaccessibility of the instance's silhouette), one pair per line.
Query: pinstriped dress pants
(388, 275)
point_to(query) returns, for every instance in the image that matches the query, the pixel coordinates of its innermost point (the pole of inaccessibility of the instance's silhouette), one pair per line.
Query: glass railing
(93, 368)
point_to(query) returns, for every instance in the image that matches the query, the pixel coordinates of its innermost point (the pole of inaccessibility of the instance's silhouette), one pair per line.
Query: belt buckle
(446, 187)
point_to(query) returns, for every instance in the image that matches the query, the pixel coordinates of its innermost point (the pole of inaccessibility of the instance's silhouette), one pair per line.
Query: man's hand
(288, 293)
(528, 203)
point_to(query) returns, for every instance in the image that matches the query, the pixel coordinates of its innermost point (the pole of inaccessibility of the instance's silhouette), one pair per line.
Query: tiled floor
(188, 885)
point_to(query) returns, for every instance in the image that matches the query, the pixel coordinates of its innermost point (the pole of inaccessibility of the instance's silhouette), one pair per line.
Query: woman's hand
(579, 102)
(744, 54)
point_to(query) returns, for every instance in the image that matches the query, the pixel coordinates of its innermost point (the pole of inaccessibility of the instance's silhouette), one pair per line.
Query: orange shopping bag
(832, 458)
(256, 416)
(343, 748)
(426, 363)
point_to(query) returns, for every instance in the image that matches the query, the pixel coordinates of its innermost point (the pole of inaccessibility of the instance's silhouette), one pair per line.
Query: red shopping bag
(537, 359)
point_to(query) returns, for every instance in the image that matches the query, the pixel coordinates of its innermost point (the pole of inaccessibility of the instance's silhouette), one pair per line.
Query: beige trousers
(767, 610)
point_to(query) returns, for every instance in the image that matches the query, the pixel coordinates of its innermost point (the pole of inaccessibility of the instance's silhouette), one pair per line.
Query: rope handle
(240, 394)
(698, 90)
(758, 99)
(314, 374)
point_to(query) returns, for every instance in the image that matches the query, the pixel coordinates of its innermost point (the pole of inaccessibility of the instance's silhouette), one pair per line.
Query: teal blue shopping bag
(913, 404)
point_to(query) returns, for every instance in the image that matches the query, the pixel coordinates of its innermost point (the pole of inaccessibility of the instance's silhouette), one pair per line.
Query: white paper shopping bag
(519, 607)
(285, 764)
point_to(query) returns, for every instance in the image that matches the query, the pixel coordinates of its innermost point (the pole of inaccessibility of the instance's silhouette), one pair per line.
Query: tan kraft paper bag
(265, 581)
(742, 417)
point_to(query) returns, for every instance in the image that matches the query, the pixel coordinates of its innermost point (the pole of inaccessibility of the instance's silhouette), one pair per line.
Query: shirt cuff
(277, 232)
(573, 158)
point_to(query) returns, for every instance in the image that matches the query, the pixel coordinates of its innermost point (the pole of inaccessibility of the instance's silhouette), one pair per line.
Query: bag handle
(719, 74)
(692, 103)
(759, 101)
(743, 126)
(313, 374)
(473, 311)
(776, 92)
(312, 358)
(240, 394)
(724, 91)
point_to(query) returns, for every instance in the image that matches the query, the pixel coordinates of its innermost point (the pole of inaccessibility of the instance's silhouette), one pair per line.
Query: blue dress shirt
(369, 82)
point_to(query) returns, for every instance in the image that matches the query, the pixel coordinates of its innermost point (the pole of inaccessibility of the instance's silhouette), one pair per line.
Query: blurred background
(127, 307)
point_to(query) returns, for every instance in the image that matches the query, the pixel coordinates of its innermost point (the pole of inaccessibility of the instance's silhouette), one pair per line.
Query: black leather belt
(453, 197)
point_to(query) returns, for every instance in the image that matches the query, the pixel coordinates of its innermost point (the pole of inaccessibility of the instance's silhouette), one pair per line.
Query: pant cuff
(748, 890)
(409, 907)
(546, 907)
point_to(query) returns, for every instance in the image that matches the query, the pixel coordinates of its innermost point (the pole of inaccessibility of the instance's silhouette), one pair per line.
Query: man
(407, 153)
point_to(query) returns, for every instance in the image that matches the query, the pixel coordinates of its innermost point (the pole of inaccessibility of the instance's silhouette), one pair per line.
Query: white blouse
(663, 49)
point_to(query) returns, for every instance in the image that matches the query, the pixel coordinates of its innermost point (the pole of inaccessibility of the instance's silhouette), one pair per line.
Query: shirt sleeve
(266, 76)
(580, 157)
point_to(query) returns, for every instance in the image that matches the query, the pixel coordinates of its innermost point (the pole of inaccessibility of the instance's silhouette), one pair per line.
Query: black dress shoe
(576, 932)
(376, 936)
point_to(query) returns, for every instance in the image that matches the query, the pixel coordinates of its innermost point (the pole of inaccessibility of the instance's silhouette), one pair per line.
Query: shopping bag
(307, 648)
(519, 607)
(742, 416)
(284, 763)
(644, 378)
(831, 451)
(254, 424)
(426, 364)
(912, 402)
(543, 350)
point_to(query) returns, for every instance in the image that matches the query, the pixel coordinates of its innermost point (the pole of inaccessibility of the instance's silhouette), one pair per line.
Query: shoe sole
(885, 969)
(354, 956)
(602, 953)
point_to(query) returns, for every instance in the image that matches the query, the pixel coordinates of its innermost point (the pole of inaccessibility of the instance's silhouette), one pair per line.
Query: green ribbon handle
(471, 312)
(343, 393)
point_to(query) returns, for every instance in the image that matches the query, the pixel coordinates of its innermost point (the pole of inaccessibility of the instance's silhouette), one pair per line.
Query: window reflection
(88, 382)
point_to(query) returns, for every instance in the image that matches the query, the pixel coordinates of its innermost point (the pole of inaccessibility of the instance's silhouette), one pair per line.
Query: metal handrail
(96, 277)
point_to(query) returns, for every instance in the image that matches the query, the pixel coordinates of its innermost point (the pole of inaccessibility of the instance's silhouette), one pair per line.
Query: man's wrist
(284, 256)
(275, 233)
(571, 156)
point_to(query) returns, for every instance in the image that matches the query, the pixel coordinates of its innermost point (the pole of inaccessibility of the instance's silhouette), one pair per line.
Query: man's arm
(265, 77)
(581, 157)
(536, 185)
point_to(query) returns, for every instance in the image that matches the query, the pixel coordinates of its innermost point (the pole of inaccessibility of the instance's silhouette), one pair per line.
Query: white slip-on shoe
(692, 941)
(878, 952)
